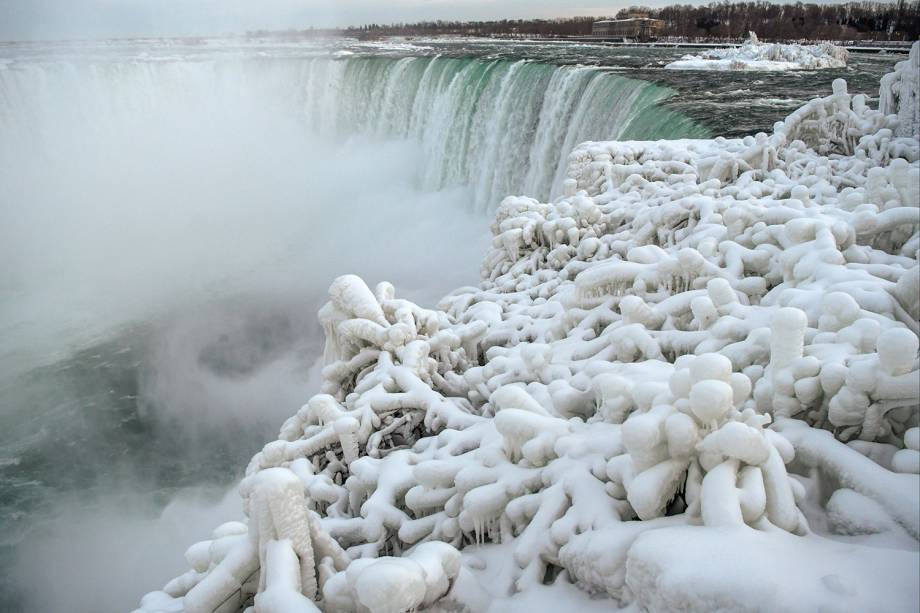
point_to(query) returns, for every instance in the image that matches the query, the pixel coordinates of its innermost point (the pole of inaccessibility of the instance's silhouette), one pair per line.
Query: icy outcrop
(754, 55)
(710, 342)
(900, 94)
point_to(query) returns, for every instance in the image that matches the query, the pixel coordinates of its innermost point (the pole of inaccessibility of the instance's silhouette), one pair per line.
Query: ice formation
(900, 94)
(703, 346)
(754, 55)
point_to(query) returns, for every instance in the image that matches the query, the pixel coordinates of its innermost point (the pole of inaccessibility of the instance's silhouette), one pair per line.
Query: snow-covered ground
(754, 55)
(690, 383)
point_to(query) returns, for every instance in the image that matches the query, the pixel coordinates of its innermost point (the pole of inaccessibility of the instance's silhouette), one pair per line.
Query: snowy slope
(691, 382)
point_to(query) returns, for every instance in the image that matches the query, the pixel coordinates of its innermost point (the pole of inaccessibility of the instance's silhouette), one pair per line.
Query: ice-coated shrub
(900, 94)
(661, 346)
(708, 444)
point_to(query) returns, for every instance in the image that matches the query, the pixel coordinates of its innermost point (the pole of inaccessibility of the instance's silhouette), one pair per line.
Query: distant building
(633, 28)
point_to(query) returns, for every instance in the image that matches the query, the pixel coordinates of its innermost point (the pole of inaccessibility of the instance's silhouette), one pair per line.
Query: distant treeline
(850, 21)
(719, 20)
(573, 26)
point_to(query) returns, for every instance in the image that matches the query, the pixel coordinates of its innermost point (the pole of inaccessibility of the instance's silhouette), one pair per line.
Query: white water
(496, 126)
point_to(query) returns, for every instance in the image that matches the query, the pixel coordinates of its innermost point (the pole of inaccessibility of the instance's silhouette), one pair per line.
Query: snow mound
(754, 55)
(711, 343)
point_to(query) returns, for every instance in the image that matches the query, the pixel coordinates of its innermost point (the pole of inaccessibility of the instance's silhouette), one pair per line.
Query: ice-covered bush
(717, 339)
(708, 442)
(900, 94)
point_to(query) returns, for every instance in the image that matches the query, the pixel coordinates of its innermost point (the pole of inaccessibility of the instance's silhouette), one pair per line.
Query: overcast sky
(59, 19)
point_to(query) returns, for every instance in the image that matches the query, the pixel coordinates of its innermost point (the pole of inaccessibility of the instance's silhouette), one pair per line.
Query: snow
(754, 55)
(738, 569)
(844, 467)
(690, 382)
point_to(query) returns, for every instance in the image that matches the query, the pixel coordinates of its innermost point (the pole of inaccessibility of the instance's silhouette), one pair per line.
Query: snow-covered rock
(754, 55)
(705, 342)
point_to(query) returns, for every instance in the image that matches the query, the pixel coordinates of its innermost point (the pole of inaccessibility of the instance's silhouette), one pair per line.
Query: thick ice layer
(754, 55)
(704, 346)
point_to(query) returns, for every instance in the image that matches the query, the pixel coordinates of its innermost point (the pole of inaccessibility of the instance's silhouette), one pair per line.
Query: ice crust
(754, 55)
(691, 382)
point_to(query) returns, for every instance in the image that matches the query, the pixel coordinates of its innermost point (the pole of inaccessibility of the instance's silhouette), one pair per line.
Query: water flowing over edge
(495, 126)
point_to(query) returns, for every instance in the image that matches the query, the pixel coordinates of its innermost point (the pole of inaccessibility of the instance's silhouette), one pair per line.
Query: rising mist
(191, 221)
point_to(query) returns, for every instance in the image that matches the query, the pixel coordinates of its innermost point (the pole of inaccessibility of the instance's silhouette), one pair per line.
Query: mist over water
(167, 236)
(102, 558)
(133, 186)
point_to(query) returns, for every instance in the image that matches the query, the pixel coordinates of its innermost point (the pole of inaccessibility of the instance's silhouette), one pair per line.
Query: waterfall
(498, 127)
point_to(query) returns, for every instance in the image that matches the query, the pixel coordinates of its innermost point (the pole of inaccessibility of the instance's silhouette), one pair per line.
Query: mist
(105, 557)
(134, 189)
(191, 221)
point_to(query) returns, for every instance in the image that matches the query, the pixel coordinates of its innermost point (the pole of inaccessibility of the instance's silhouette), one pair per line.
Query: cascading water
(498, 127)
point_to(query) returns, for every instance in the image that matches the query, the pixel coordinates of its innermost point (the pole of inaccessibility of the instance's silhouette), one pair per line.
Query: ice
(690, 382)
(900, 94)
(754, 55)
(283, 591)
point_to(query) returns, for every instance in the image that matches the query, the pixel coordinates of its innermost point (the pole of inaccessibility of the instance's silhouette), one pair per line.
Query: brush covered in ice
(695, 368)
